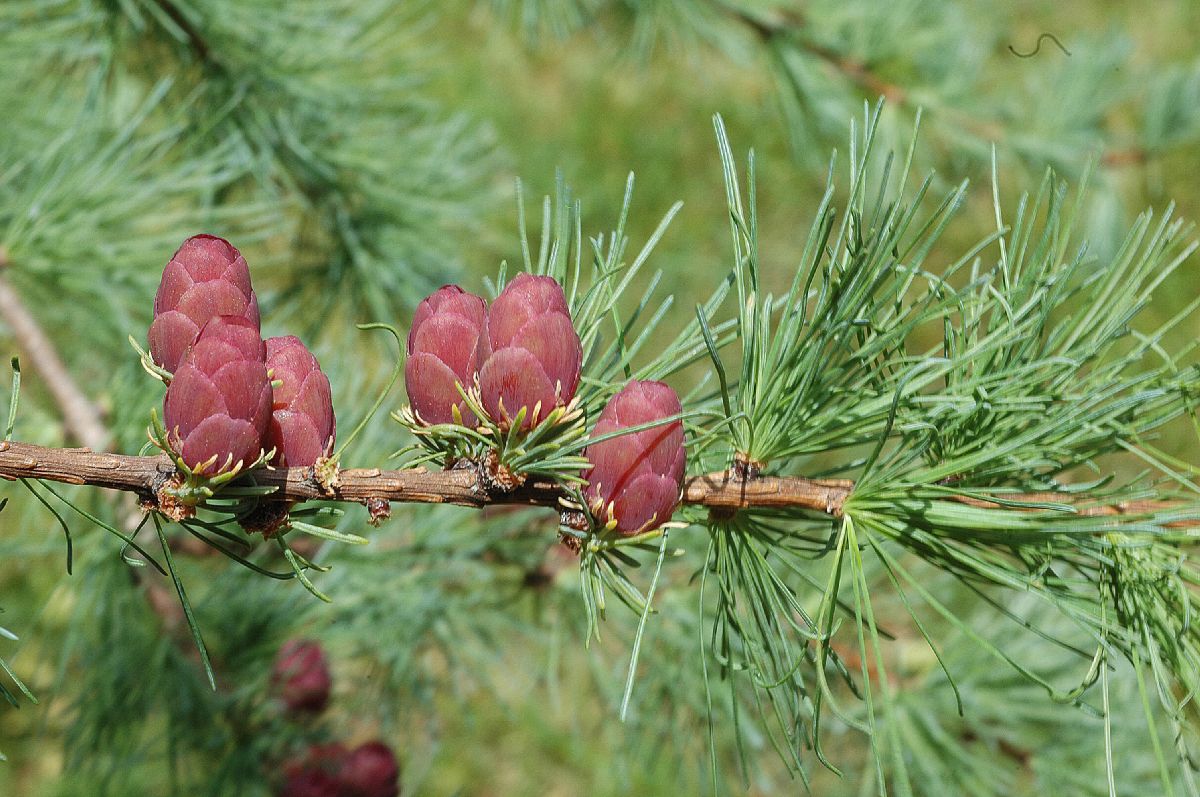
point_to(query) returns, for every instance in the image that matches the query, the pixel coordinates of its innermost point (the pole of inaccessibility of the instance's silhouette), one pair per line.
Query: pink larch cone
(442, 352)
(302, 422)
(219, 403)
(370, 770)
(530, 353)
(315, 773)
(637, 476)
(205, 278)
(301, 678)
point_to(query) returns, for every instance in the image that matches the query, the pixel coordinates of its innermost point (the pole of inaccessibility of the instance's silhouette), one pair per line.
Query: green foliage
(972, 450)
(829, 375)
(250, 99)
(959, 65)
(12, 689)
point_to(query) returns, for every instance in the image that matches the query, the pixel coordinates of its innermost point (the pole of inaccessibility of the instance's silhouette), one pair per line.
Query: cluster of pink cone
(523, 353)
(221, 406)
(302, 682)
(331, 770)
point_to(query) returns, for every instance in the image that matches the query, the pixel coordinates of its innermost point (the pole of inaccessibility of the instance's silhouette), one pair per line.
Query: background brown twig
(789, 26)
(81, 418)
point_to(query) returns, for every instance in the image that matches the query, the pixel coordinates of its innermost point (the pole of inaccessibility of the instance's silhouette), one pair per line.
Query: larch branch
(721, 492)
(146, 475)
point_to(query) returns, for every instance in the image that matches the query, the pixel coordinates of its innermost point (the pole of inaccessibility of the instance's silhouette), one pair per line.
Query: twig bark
(721, 492)
(147, 475)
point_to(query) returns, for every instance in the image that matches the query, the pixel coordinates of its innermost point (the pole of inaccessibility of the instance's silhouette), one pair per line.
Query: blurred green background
(360, 154)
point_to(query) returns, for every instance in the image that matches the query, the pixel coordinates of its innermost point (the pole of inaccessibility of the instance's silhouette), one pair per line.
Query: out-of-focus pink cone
(370, 770)
(301, 676)
(315, 773)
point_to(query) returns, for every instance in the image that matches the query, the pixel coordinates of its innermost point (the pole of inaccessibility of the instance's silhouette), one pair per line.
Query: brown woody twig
(721, 492)
(146, 476)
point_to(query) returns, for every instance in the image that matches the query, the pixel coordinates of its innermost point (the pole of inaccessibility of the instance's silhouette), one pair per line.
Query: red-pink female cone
(206, 277)
(329, 770)
(302, 422)
(301, 676)
(315, 773)
(370, 770)
(639, 474)
(219, 403)
(530, 352)
(443, 347)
